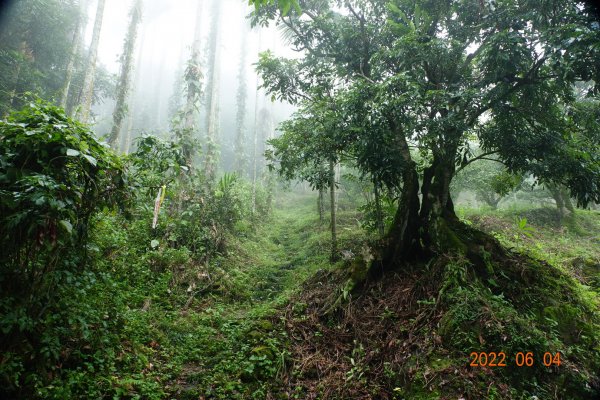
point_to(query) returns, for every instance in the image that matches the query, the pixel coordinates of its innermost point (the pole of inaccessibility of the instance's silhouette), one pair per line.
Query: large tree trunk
(560, 194)
(402, 241)
(426, 226)
(124, 85)
(83, 112)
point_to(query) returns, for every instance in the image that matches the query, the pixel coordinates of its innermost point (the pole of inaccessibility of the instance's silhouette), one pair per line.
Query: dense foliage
(30, 62)
(70, 209)
(54, 177)
(405, 90)
(148, 276)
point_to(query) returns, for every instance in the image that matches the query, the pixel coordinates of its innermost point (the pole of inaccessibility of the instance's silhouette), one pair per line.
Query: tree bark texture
(77, 33)
(212, 95)
(83, 112)
(124, 85)
(334, 250)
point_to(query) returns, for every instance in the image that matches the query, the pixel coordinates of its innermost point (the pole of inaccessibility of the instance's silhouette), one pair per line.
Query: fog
(163, 48)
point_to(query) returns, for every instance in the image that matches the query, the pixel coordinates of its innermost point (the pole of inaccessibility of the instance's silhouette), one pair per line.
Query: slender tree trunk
(334, 250)
(193, 93)
(177, 93)
(128, 137)
(212, 94)
(13, 93)
(242, 94)
(27, 56)
(321, 204)
(379, 214)
(255, 139)
(77, 33)
(124, 85)
(88, 82)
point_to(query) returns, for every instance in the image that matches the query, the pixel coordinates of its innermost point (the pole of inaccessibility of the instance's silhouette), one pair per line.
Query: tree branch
(482, 156)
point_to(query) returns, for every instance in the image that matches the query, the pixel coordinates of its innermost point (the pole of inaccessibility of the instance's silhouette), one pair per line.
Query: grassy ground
(409, 335)
(572, 244)
(257, 322)
(229, 342)
(233, 341)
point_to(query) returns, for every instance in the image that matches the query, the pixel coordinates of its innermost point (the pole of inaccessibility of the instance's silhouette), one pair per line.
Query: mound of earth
(415, 333)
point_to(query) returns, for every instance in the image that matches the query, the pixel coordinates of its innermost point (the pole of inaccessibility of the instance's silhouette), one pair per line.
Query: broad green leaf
(67, 225)
(72, 152)
(91, 159)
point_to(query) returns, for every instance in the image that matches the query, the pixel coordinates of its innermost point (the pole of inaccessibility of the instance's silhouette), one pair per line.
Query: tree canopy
(408, 91)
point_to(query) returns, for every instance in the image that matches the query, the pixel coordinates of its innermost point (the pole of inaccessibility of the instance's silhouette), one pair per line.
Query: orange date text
(521, 359)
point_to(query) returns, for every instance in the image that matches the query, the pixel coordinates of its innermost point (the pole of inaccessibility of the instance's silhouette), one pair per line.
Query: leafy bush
(54, 175)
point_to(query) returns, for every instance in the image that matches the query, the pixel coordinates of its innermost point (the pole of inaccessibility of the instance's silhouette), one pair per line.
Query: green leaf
(154, 243)
(72, 152)
(67, 225)
(492, 282)
(91, 159)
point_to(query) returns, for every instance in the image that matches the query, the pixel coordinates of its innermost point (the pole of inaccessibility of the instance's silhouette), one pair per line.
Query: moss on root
(419, 325)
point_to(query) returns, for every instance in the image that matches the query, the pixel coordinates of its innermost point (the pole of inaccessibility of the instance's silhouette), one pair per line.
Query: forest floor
(272, 318)
(231, 343)
(261, 333)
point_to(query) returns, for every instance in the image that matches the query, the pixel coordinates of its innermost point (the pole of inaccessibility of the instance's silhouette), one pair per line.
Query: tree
(90, 72)
(255, 130)
(488, 179)
(240, 117)
(29, 62)
(308, 150)
(77, 33)
(212, 95)
(193, 92)
(124, 85)
(425, 78)
(127, 137)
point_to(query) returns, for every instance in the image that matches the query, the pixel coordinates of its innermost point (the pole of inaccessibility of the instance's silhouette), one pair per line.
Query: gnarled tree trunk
(426, 226)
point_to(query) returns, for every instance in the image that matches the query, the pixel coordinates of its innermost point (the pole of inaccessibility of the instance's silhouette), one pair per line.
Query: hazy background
(163, 48)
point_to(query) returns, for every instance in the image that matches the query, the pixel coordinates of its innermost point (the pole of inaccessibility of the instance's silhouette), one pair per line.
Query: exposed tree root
(411, 332)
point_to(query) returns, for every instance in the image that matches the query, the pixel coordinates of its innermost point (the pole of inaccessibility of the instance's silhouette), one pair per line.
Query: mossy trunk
(212, 96)
(90, 72)
(77, 33)
(124, 84)
(561, 196)
(427, 226)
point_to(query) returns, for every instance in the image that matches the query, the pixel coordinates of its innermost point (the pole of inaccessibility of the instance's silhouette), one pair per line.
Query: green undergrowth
(571, 244)
(412, 334)
(522, 305)
(158, 322)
